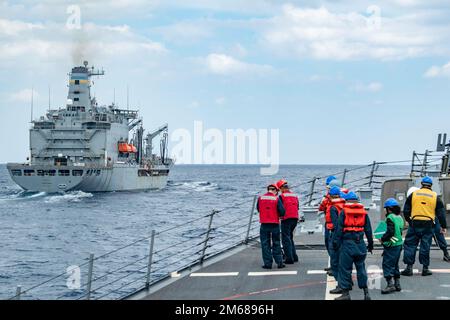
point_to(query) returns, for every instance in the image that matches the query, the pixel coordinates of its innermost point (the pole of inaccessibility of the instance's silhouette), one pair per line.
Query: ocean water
(41, 235)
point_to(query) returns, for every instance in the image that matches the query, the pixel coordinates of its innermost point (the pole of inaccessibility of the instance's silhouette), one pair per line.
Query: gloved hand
(370, 247)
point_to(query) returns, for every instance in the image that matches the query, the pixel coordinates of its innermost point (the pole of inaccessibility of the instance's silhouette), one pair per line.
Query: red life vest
(325, 203)
(338, 203)
(268, 212)
(355, 217)
(290, 203)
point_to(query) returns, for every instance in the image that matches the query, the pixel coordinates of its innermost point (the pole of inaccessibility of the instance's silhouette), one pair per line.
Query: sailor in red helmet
(289, 221)
(270, 209)
(348, 238)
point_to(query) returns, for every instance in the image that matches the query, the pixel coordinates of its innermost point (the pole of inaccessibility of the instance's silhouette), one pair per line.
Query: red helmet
(272, 185)
(280, 183)
(345, 190)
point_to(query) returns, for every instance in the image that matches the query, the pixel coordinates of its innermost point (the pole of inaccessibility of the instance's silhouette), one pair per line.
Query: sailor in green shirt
(392, 243)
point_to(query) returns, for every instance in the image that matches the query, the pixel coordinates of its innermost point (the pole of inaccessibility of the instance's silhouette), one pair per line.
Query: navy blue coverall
(420, 231)
(334, 253)
(391, 255)
(352, 249)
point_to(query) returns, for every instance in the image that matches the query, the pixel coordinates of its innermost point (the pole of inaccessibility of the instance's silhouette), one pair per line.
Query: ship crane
(150, 136)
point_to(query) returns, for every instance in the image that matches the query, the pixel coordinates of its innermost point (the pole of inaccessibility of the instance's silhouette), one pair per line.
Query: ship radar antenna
(32, 98)
(49, 98)
(128, 94)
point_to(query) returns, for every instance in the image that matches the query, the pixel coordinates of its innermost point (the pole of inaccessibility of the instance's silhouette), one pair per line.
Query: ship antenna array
(128, 97)
(32, 100)
(48, 97)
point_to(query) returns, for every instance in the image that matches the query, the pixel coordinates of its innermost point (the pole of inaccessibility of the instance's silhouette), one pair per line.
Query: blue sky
(342, 85)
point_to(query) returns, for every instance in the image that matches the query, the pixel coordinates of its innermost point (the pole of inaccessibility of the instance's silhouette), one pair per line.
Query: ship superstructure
(91, 148)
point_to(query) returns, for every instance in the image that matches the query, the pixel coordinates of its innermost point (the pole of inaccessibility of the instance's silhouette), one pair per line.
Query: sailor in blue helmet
(392, 242)
(323, 207)
(331, 217)
(421, 209)
(353, 224)
(439, 237)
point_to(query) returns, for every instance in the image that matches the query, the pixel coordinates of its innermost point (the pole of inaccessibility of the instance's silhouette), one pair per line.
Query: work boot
(446, 256)
(389, 287)
(345, 296)
(397, 284)
(266, 267)
(288, 262)
(337, 290)
(327, 269)
(426, 272)
(330, 273)
(366, 294)
(408, 272)
(281, 266)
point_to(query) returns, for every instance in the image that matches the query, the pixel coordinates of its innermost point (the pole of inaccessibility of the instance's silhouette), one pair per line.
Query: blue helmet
(391, 202)
(335, 183)
(335, 191)
(351, 196)
(427, 180)
(329, 179)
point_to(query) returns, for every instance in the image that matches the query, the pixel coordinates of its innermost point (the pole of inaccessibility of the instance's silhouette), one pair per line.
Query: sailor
(421, 209)
(270, 210)
(392, 242)
(353, 223)
(331, 221)
(438, 236)
(289, 221)
(323, 208)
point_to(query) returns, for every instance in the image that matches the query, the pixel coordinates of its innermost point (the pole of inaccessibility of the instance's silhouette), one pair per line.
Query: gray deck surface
(302, 286)
(310, 282)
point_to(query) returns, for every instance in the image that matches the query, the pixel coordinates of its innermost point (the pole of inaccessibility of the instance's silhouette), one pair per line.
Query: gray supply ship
(91, 148)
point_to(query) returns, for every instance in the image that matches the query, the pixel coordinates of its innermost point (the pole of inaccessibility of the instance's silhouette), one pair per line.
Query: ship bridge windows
(77, 81)
(77, 173)
(63, 173)
(96, 125)
(44, 125)
(28, 172)
(76, 99)
(16, 172)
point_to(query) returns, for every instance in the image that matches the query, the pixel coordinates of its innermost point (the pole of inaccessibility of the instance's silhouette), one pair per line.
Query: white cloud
(24, 95)
(438, 71)
(322, 34)
(185, 32)
(226, 65)
(34, 43)
(369, 87)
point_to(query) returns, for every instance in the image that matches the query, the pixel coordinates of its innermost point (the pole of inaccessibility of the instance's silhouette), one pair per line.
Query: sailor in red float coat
(289, 221)
(270, 210)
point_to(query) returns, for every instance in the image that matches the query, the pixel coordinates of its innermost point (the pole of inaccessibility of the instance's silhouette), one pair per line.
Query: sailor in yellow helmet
(421, 209)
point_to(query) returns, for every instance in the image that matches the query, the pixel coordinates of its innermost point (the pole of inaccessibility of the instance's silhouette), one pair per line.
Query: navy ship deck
(237, 275)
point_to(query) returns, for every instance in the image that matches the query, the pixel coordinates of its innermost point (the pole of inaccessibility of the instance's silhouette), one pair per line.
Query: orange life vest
(355, 217)
(338, 203)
